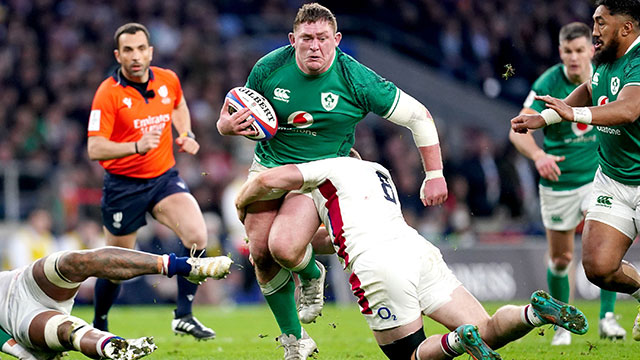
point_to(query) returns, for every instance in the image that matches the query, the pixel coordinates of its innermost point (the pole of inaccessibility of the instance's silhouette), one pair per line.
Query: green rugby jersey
(619, 149)
(317, 114)
(575, 141)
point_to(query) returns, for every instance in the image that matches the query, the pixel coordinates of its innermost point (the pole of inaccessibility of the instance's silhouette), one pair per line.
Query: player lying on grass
(36, 300)
(396, 274)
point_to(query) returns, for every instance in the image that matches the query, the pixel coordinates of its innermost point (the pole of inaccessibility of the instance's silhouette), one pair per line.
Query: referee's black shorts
(126, 200)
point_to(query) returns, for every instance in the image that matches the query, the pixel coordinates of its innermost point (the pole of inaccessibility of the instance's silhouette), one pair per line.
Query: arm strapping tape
(550, 116)
(411, 114)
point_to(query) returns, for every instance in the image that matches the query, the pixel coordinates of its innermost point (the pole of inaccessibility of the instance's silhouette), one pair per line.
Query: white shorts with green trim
(563, 210)
(615, 204)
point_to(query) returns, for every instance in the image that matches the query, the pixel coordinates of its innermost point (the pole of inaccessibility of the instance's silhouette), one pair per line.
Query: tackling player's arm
(181, 119)
(286, 177)
(546, 164)
(411, 114)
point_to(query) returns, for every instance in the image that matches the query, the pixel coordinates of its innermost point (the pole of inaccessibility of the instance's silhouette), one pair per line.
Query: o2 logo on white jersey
(300, 119)
(615, 85)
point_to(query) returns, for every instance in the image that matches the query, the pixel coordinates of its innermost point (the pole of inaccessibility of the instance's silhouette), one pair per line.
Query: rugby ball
(265, 122)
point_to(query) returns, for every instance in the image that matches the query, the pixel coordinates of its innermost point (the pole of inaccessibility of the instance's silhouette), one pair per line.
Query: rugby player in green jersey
(319, 94)
(565, 173)
(611, 102)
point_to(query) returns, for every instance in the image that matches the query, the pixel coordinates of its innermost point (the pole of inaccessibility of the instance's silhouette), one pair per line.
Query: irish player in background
(611, 103)
(130, 134)
(565, 173)
(319, 94)
(396, 274)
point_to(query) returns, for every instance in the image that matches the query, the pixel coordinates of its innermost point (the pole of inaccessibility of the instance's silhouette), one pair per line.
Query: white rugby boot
(635, 332)
(311, 298)
(561, 337)
(129, 349)
(297, 349)
(203, 268)
(608, 328)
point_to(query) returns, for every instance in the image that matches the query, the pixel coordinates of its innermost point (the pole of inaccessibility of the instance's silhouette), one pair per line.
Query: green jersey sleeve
(372, 92)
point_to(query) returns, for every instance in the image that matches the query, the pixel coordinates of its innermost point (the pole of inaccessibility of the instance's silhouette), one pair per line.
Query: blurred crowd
(54, 54)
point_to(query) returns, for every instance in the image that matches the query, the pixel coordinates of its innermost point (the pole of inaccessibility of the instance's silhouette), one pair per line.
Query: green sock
(558, 286)
(607, 301)
(4, 337)
(283, 306)
(311, 269)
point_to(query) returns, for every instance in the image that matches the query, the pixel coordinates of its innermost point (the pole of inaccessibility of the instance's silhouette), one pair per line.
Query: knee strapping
(275, 284)
(53, 274)
(79, 328)
(402, 349)
(308, 253)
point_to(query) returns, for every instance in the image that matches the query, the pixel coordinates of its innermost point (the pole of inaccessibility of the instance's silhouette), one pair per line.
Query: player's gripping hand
(522, 123)
(236, 123)
(149, 141)
(565, 111)
(434, 191)
(187, 144)
(547, 165)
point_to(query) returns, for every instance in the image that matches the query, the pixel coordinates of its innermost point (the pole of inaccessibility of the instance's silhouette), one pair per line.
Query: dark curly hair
(630, 8)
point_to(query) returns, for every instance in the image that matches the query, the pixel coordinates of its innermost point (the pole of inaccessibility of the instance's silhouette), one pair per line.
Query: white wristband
(550, 116)
(433, 174)
(582, 115)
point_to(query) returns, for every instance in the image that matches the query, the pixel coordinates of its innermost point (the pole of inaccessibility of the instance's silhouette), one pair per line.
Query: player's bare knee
(560, 262)
(598, 272)
(284, 253)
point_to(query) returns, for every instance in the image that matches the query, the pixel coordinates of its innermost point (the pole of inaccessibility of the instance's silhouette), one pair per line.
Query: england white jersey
(358, 203)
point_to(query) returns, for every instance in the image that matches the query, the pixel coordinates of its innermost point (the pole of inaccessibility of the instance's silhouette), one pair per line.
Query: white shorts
(615, 204)
(22, 301)
(564, 210)
(397, 284)
(257, 168)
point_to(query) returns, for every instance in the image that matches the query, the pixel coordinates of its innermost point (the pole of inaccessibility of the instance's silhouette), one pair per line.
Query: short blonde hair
(314, 12)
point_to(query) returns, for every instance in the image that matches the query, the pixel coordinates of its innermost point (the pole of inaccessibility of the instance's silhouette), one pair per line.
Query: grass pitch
(248, 332)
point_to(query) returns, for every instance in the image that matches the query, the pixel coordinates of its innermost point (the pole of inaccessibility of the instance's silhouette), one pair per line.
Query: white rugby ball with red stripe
(265, 121)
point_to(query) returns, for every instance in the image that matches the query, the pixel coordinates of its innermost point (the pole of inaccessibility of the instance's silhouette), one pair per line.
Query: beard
(607, 54)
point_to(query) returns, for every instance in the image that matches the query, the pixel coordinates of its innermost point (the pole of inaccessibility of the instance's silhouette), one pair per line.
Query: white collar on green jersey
(634, 43)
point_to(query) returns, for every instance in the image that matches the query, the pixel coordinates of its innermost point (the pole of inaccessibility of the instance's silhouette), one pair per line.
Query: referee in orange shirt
(130, 134)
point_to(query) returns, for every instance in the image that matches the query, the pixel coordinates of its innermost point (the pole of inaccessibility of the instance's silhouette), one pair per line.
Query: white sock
(11, 347)
(529, 317)
(451, 345)
(636, 295)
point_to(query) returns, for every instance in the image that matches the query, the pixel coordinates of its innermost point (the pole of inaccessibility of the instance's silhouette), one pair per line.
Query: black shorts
(126, 200)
